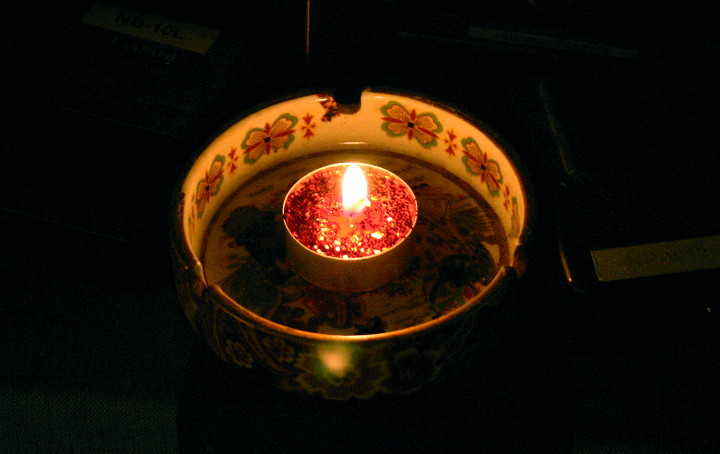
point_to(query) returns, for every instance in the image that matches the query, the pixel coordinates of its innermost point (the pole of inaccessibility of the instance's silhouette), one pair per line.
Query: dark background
(98, 128)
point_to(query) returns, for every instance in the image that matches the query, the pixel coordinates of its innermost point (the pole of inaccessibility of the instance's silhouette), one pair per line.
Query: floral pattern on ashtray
(210, 185)
(412, 368)
(238, 353)
(260, 141)
(399, 122)
(478, 163)
(279, 349)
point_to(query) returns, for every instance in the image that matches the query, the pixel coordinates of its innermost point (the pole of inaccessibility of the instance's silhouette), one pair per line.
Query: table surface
(98, 367)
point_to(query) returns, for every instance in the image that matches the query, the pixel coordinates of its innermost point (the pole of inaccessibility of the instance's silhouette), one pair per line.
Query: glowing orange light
(336, 359)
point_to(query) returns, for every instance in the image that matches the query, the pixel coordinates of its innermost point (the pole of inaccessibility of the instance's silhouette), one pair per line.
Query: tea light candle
(348, 226)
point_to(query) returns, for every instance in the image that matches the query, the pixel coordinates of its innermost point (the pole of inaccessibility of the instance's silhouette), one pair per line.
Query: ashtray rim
(504, 276)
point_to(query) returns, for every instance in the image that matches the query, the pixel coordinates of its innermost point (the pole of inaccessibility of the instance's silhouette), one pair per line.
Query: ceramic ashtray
(349, 252)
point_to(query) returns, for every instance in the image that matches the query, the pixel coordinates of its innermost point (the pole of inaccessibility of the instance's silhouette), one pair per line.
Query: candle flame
(354, 190)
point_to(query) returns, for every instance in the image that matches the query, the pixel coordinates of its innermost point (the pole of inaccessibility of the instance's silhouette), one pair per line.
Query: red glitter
(315, 216)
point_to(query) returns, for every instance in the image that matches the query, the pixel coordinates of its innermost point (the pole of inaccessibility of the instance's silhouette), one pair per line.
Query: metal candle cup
(348, 241)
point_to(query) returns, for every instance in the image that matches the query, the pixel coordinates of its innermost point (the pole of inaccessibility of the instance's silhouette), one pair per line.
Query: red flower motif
(308, 127)
(233, 160)
(450, 141)
(506, 197)
(259, 141)
(399, 122)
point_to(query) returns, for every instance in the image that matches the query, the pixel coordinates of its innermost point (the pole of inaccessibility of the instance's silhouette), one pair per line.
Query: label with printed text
(549, 42)
(653, 259)
(117, 18)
